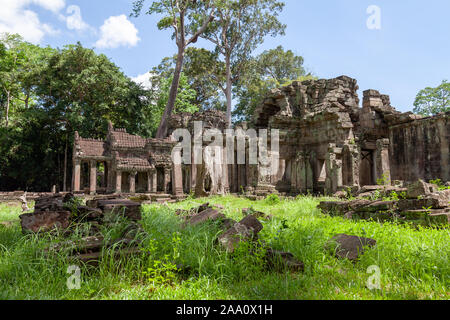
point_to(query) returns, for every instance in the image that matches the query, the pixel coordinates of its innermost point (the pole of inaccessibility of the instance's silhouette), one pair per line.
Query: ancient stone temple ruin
(327, 143)
(122, 163)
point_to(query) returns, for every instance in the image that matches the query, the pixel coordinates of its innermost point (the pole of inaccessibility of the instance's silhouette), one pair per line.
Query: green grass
(414, 263)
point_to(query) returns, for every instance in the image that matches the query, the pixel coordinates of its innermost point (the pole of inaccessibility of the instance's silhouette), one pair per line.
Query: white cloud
(16, 18)
(74, 21)
(117, 31)
(144, 79)
(52, 5)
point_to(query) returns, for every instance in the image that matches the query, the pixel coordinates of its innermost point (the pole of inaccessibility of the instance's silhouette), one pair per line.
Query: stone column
(225, 172)
(119, 182)
(382, 164)
(154, 177)
(93, 177)
(177, 180)
(334, 170)
(132, 178)
(77, 176)
(149, 181)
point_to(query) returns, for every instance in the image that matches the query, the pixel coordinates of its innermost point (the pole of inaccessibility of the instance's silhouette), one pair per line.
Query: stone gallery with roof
(328, 143)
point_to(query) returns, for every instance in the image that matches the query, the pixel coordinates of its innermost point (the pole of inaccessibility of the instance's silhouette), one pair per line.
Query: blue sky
(411, 50)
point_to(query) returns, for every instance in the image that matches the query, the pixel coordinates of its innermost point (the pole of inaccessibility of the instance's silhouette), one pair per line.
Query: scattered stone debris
(131, 209)
(65, 213)
(244, 231)
(424, 205)
(420, 188)
(349, 247)
(254, 213)
(45, 221)
(206, 215)
(282, 261)
(23, 199)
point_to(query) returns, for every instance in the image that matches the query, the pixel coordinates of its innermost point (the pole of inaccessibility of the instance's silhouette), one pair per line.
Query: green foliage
(376, 195)
(440, 184)
(161, 273)
(384, 180)
(73, 204)
(239, 28)
(51, 94)
(413, 261)
(272, 199)
(431, 101)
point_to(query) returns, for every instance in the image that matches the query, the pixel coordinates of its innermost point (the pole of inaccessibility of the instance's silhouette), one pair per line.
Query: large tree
(69, 89)
(431, 101)
(240, 27)
(202, 71)
(271, 69)
(188, 19)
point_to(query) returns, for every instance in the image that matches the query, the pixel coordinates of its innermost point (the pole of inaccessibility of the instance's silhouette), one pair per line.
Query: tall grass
(414, 263)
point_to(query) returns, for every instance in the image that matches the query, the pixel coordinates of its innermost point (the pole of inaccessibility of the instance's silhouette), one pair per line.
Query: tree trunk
(228, 91)
(65, 169)
(8, 99)
(164, 125)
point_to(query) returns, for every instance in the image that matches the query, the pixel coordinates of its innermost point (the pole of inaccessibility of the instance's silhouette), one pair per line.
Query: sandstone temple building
(327, 143)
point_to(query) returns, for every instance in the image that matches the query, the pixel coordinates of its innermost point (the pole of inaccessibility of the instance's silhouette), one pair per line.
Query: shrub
(272, 199)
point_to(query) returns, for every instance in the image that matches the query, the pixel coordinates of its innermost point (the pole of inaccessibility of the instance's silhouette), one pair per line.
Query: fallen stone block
(420, 188)
(283, 261)
(94, 258)
(85, 245)
(45, 221)
(338, 208)
(376, 206)
(257, 214)
(433, 201)
(93, 203)
(245, 230)
(85, 213)
(131, 209)
(349, 247)
(379, 216)
(51, 203)
(204, 216)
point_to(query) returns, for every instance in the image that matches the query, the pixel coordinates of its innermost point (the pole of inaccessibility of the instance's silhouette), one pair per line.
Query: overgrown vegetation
(178, 263)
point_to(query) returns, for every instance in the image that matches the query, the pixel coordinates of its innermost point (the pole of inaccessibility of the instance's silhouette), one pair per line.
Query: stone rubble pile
(61, 213)
(234, 233)
(422, 204)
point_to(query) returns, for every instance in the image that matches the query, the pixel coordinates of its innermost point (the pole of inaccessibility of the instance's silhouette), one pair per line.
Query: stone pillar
(77, 176)
(152, 181)
(177, 180)
(167, 174)
(302, 180)
(132, 179)
(225, 172)
(334, 170)
(382, 164)
(119, 182)
(93, 177)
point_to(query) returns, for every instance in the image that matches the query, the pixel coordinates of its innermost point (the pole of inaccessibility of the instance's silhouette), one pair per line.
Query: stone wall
(420, 149)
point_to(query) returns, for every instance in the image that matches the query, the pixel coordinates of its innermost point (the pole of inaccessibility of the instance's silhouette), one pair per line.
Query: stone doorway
(367, 167)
